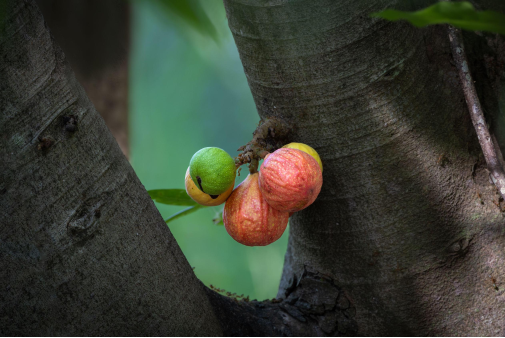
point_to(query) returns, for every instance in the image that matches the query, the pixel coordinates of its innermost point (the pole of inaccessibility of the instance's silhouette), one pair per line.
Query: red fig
(249, 219)
(290, 179)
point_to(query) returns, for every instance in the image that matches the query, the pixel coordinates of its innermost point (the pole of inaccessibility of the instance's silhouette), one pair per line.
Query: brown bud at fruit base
(290, 179)
(249, 219)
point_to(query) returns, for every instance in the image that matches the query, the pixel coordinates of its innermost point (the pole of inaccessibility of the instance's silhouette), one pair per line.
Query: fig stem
(263, 153)
(271, 134)
(253, 166)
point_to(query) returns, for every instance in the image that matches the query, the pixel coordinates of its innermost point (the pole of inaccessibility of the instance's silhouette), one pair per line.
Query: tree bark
(84, 250)
(406, 237)
(407, 222)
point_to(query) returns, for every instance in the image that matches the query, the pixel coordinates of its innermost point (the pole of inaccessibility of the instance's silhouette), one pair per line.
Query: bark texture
(84, 250)
(311, 306)
(407, 222)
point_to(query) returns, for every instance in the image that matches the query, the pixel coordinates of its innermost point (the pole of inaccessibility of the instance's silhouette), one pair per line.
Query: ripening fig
(306, 148)
(202, 198)
(212, 170)
(290, 179)
(249, 219)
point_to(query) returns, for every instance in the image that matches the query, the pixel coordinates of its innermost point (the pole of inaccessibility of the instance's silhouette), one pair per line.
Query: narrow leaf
(171, 197)
(184, 212)
(459, 14)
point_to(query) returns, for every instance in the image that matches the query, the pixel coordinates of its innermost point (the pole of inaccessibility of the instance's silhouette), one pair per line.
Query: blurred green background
(188, 91)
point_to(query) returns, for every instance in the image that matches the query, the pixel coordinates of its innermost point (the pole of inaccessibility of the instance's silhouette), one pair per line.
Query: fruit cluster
(256, 212)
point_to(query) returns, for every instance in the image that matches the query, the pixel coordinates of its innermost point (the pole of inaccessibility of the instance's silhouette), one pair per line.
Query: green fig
(212, 170)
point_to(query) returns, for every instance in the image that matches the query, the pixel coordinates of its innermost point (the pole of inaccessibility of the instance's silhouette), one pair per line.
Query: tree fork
(312, 306)
(85, 252)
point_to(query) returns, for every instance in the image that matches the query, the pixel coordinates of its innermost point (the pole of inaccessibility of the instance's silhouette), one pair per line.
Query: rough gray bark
(405, 237)
(407, 222)
(83, 249)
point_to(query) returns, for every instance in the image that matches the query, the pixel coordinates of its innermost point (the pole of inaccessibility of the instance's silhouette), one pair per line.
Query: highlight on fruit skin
(290, 179)
(249, 219)
(202, 198)
(306, 148)
(212, 170)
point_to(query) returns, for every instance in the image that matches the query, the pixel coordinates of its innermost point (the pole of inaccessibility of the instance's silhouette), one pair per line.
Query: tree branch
(83, 249)
(474, 107)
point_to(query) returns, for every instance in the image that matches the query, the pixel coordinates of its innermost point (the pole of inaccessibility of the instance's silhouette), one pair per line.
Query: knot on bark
(70, 123)
(84, 221)
(45, 143)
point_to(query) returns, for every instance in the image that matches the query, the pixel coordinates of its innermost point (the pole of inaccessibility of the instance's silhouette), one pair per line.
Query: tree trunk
(84, 250)
(404, 239)
(407, 222)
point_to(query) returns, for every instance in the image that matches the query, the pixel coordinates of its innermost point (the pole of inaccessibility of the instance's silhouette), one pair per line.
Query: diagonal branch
(83, 249)
(472, 100)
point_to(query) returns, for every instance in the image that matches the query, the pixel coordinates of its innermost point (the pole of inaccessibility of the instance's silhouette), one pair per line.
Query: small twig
(472, 100)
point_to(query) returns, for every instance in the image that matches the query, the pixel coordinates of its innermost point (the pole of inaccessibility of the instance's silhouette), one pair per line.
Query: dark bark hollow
(406, 222)
(95, 36)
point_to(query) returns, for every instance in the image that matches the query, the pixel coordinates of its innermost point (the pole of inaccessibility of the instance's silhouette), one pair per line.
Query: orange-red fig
(290, 179)
(249, 219)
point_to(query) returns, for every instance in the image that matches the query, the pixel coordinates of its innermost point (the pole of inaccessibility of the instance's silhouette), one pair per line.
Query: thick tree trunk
(407, 222)
(83, 249)
(405, 237)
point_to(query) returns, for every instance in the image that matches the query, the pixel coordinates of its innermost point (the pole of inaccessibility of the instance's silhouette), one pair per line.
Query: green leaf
(191, 12)
(171, 197)
(184, 212)
(459, 14)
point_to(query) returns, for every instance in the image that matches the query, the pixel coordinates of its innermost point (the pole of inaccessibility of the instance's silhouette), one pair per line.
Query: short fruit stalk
(249, 219)
(290, 179)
